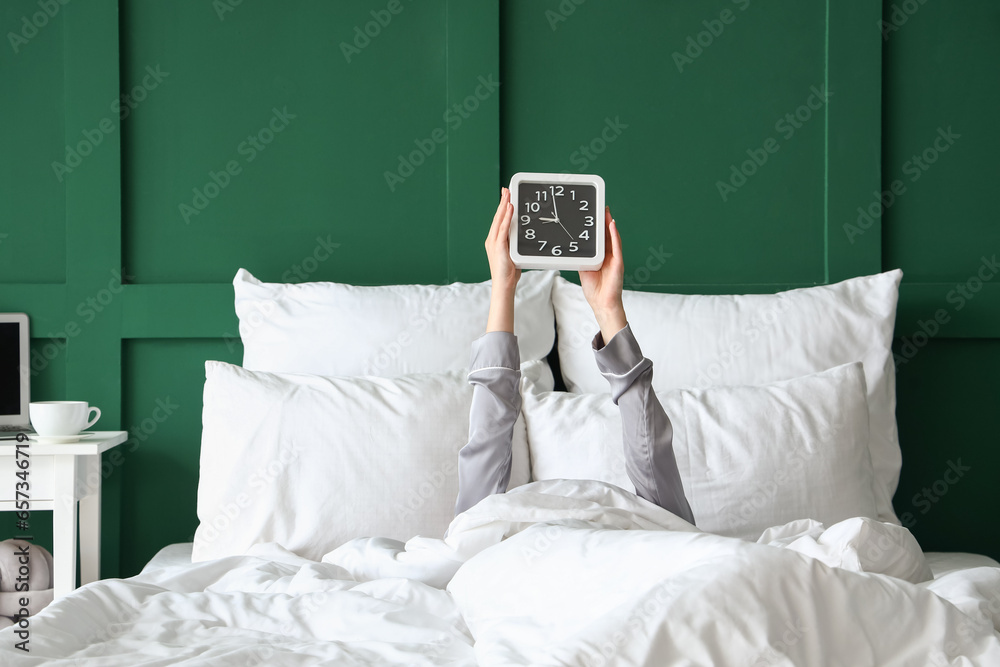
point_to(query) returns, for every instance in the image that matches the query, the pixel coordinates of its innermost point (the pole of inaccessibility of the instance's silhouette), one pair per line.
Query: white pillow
(337, 329)
(311, 462)
(749, 457)
(708, 341)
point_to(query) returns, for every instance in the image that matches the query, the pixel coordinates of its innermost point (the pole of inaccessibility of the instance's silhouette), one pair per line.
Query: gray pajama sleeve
(648, 435)
(484, 462)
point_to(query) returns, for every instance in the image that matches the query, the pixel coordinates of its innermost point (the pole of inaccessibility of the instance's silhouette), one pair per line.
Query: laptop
(15, 373)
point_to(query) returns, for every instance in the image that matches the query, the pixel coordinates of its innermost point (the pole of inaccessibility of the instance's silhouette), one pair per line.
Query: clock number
(554, 193)
(572, 246)
(585, 235)
(588, 221)
(583, 205)
(532, 206)
(542, 246)
(529, 234)
(541, 195)
(573, 192)
(556, 250)
(525, 219)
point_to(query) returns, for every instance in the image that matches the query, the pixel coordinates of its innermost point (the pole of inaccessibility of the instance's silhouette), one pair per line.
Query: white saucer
(59, 439)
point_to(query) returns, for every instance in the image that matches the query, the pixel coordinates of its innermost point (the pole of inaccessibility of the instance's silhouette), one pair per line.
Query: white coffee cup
(61, 418)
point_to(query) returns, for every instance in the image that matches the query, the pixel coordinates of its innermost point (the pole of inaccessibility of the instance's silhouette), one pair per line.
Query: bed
(678, 597)
(326, 533)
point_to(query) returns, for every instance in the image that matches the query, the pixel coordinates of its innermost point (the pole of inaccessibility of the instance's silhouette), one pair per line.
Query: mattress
(942, 563)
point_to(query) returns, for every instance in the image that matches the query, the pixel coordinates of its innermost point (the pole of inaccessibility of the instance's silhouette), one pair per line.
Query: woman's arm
(503, 274)
(647, 433)
(484, 462)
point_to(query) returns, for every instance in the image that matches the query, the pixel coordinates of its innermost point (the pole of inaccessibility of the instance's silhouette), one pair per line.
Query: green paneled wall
(160, 469)
(947, 423)
(275, 124)
(664, 133)
(339, 127)
(941, 78)
(32, 234)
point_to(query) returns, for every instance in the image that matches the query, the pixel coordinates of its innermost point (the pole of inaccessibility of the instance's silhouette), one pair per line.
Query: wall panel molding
(853, 135)
(93, 232)
(473, 148)
(170, 326)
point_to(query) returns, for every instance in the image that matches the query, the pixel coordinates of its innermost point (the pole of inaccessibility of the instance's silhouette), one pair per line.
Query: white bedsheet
(559, 572)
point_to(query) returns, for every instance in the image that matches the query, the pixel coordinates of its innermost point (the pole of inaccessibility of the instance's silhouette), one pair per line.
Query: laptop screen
(10, 374)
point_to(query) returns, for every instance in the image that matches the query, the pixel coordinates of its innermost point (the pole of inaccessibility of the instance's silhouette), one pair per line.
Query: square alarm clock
(558, 221)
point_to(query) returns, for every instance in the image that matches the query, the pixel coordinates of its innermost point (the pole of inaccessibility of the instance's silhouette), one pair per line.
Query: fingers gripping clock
(559, 221)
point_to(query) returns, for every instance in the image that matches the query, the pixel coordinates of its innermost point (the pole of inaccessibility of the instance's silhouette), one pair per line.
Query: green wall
(940, 72)
(280, 138)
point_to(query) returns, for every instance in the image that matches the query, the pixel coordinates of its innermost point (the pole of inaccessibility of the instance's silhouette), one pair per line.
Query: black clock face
(557, 220)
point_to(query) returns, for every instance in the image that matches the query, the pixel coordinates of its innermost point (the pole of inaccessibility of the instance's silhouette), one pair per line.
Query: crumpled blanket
(552, 573)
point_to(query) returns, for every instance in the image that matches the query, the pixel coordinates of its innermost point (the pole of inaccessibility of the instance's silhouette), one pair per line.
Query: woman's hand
(503, 273)
(603, 288)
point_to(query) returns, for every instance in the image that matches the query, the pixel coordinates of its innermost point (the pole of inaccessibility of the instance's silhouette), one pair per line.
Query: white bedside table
(61, 476)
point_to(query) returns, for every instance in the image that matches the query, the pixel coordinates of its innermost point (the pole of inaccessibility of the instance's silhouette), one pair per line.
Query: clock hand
(564, 229)
(549, 219)
(556, 212)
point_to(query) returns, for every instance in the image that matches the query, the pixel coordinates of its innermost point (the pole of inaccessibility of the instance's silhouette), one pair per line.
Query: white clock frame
(560, 263)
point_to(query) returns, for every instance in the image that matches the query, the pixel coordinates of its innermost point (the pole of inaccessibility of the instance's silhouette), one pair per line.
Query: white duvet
(552, 573)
